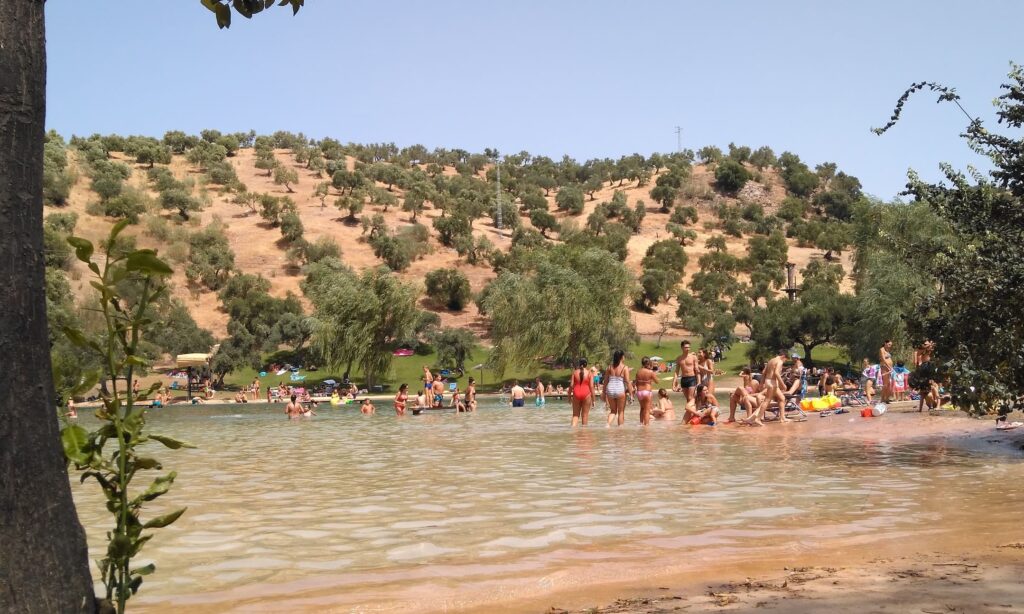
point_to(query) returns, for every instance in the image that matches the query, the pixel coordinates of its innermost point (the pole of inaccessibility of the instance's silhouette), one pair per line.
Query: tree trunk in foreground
(44, 564)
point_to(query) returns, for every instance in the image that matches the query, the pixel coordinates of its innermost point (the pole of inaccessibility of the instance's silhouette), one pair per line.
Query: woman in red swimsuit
(400, 399)
(582, 387)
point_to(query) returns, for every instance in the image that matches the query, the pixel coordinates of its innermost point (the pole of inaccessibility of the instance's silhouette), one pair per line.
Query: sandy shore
(976, 581)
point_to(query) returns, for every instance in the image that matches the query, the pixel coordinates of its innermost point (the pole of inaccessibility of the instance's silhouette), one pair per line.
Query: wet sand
(978, 581)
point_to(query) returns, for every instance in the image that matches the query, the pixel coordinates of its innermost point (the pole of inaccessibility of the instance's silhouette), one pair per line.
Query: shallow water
(373, 506)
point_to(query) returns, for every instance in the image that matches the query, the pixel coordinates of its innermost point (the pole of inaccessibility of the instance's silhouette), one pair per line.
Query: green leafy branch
(123, 419)
(246, 8)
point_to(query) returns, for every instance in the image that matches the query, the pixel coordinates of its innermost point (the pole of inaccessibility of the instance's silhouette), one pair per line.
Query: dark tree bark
(43, 558)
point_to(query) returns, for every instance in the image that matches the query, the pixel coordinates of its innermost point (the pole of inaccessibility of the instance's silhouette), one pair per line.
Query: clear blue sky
(588, 78)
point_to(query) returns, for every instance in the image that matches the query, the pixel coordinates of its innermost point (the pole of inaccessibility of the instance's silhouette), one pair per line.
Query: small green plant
(111, 454)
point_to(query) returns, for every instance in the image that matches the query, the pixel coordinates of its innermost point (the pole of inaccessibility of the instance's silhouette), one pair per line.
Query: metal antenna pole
(497, 217)
(679, 140)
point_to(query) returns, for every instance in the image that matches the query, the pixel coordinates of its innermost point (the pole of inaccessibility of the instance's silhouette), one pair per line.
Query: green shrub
(449, 287)
(731, 176)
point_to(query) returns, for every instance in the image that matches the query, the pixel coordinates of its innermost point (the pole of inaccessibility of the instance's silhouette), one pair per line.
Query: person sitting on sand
(663, 410)
(368, 409)
(72, 411)
(240, 397)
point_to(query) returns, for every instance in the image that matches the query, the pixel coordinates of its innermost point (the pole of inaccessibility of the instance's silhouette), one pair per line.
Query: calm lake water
(355, 510)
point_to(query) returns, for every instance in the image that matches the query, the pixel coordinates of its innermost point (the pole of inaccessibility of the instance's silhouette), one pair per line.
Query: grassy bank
(409, 369)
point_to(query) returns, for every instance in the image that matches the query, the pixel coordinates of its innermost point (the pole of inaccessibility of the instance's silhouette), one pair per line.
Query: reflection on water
(359, 497)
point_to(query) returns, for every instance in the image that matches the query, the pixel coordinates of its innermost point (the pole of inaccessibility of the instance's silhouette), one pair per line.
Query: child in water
(664, 409)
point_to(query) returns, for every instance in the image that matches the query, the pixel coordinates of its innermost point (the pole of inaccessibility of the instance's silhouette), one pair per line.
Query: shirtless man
(687, 367)
(538, 393)
(885, 366)
(293, 409)
(437, 389)
(471, 395)
(428, 379)
(518, 394)
(771, 382)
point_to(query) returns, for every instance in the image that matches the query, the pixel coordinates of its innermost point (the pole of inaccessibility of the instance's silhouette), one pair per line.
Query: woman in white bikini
(645, 378)
(617, 386)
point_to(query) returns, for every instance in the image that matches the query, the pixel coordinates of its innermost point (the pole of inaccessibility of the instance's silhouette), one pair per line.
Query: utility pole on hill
(679, 140)
(497, 201)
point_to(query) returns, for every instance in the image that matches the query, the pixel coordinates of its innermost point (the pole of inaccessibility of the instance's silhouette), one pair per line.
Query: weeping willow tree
(569, 303)
(359, 320)
(893, 246)
(974, 315)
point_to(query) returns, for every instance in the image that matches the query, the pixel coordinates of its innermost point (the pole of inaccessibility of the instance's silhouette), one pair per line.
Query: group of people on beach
(432, 396)
(616, 388)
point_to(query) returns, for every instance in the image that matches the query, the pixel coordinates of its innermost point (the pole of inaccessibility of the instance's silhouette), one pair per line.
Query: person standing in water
(293, 409)
(773, 387)
(401, 399)
(368, 409)
(428, 379)
(538, 393)
(885, 366)
(617, 389)
(581, 389)
(518, 394)
(687, 369)
(645, 379)
(437, 389)
(471, 395)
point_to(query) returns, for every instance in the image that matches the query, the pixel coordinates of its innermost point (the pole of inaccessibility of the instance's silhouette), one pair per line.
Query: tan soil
(258, 249)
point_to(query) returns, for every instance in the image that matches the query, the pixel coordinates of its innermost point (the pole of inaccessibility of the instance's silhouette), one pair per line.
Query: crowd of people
(761, 394)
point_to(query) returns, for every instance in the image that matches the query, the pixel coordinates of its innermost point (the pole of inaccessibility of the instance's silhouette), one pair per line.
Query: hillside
(258, 247)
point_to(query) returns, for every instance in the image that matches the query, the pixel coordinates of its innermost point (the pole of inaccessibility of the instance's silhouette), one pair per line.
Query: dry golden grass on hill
(258, 249)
